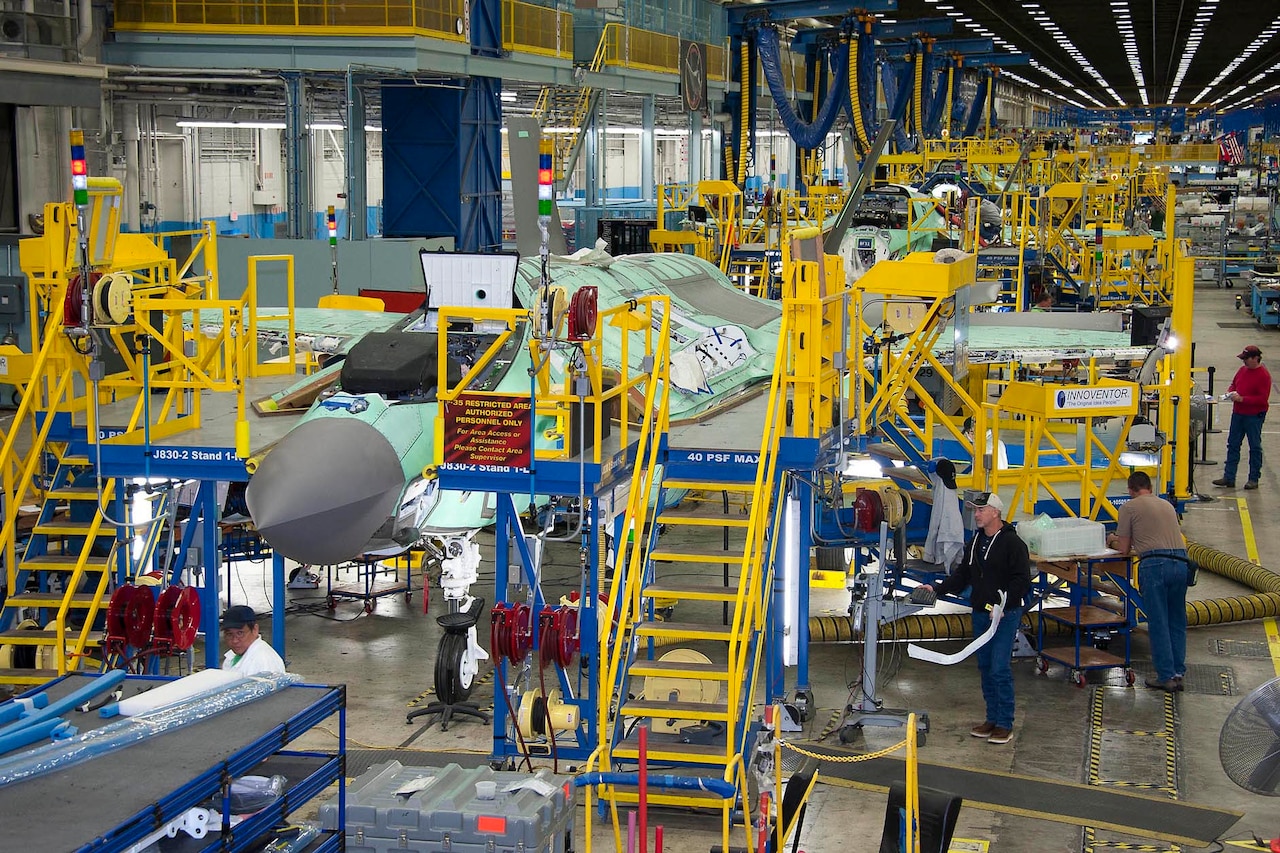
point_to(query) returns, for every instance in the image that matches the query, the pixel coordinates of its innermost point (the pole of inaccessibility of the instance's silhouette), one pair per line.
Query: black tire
(450, 686)
(832, 560)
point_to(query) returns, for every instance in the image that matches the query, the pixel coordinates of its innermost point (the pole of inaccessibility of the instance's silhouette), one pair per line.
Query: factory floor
(386, 658)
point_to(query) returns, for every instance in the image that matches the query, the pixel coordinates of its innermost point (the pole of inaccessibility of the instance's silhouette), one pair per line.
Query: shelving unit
(1099, 609)
(112, 802)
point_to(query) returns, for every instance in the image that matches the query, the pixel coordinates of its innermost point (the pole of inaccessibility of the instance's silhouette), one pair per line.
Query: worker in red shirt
(1250, 393)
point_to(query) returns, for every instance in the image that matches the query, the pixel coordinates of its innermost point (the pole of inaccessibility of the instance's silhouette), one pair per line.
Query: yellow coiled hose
(744, 102)
(854, 99)
(918, 112)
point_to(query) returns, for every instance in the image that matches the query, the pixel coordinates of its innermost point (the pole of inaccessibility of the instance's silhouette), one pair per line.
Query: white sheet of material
(944, 544)
(179, 691)
(921, 653)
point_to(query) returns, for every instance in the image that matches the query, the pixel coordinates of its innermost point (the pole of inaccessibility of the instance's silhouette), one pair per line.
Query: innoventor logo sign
(1093, 398)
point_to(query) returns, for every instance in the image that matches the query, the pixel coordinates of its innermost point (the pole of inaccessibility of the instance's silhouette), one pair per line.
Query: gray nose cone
(325, 489)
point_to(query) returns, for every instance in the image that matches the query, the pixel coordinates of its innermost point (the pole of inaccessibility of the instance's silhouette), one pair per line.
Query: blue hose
(805, 134)
(975, 109)
(96, 687)
(719, 787)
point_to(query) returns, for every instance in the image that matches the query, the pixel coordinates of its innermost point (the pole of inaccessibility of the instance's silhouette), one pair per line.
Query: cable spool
(15, 656)
(557, 636)
(666, 689)
(113, 298)
(177, 618)
(582, 313)
(538, 715)
(117, 624)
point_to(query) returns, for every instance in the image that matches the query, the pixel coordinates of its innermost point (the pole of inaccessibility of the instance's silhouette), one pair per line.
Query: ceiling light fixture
(1071, 50)
(1124, 23)
(1196, 35)
(1253, 47)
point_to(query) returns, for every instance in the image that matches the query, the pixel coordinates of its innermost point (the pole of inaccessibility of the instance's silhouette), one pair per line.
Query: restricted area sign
(488, 432)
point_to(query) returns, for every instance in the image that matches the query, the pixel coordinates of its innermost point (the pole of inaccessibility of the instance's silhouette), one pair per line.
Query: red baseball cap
(1250, 352)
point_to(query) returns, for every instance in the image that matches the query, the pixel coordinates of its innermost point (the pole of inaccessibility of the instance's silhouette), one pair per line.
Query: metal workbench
(111, 802)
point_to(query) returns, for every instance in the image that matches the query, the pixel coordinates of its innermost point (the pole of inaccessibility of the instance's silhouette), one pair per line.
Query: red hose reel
(558, 639)
(511, 631)
(137, 619)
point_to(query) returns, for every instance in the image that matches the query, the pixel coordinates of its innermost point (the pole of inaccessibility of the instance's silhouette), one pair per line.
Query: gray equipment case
(528, 813)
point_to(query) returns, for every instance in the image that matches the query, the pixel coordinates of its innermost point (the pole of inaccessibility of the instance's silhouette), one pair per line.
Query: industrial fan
(1249, 744)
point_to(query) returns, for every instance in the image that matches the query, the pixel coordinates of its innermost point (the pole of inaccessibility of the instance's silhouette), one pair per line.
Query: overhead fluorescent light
(245, 125)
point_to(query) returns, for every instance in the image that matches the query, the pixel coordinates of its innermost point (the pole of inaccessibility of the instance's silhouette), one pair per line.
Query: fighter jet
(347, 480)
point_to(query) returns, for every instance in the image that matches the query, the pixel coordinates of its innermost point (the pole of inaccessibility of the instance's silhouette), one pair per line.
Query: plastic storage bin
(1067, 537)
(393, 807)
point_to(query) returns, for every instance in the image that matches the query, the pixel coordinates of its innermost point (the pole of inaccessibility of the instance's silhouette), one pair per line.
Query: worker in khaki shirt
(1148, 526)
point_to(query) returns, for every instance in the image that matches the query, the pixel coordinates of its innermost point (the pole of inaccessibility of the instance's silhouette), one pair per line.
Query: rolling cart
(376, 577)
(1099, 614)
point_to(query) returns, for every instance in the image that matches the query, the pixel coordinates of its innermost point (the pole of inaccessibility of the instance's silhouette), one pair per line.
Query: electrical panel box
(12, 288)
(429, 809)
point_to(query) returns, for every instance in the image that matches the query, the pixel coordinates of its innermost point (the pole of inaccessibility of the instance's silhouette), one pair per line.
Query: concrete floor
(386, 659)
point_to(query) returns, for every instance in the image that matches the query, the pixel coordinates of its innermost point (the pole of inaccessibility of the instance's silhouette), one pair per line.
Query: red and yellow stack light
(545, 178)
(79, 169)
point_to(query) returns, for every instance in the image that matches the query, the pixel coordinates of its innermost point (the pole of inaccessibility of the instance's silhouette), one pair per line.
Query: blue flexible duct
(805, 134)
(897, 93)
(866, 82)
(938, 101)
(976, 108)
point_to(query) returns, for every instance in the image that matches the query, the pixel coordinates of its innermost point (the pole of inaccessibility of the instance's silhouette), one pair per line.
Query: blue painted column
(278, 603)
(208, 507)
(357, 163)
(297, 158)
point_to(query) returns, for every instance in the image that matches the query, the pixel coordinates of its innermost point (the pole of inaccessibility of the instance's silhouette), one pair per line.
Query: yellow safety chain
(843, 759)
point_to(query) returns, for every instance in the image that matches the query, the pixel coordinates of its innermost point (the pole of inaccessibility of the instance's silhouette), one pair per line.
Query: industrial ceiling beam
(942, 46)
(789, 10)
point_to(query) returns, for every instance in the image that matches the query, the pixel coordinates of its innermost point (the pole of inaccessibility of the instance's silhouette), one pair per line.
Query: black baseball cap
(237, 617)
(946, 471)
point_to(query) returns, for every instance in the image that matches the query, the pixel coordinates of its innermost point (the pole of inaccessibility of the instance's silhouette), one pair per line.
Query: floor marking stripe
(1250, 542)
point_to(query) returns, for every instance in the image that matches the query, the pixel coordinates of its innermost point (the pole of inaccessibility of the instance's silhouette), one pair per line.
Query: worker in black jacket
(995, 562)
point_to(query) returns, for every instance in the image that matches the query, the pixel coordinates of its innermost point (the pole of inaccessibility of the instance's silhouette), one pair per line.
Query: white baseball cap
(990, 499)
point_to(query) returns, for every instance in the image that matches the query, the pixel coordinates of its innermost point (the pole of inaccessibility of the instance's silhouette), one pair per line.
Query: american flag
(1230, 149)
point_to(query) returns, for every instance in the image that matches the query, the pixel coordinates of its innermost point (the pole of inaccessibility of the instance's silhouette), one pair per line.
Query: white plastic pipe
(173, 692)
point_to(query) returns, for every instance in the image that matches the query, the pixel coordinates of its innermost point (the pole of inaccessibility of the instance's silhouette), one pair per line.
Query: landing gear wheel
(1130, 677)
(803, 701)
(451, 684)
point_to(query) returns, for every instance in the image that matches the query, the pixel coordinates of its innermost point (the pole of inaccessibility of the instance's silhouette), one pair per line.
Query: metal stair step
(658, 709)
(73, 528)
(709, 485)
(691, 591)
(677, 669)
(691, 753)
(27, 676)
(688, 630)
(62, 562)
(693, 554)
(887, 451)
(73, 493)
(76, 459)
(20, 637)
(704, 516)
(49, 599)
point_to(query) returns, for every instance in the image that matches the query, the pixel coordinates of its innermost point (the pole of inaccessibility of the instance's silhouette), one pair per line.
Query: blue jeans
(994, 664)
(1242, 427)
(1163, 583)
